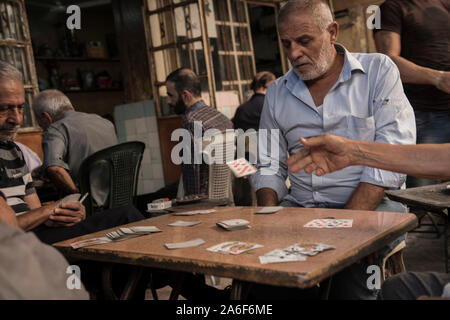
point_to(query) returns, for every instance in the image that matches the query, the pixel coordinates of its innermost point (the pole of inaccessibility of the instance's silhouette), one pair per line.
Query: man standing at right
(415, 34)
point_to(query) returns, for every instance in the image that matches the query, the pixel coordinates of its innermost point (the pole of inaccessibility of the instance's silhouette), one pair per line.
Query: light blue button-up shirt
(366, 103)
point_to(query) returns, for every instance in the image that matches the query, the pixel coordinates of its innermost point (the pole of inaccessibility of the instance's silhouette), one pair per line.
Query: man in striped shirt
(49, 223)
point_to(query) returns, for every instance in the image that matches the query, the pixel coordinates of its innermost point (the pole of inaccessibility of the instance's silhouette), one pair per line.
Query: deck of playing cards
(185, 244)
(89, 242)
(241, 167)
(233, 247)
(234, 224)
(70, 198)
(330, 223)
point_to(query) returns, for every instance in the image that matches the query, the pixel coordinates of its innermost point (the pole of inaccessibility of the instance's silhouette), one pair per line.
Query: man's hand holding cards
(67, 212)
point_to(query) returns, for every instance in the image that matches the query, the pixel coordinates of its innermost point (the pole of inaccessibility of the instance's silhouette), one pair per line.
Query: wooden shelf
(77, 59)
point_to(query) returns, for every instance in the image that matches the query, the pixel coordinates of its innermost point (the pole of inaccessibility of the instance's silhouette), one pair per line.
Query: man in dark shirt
(248, 114)
(416, 35)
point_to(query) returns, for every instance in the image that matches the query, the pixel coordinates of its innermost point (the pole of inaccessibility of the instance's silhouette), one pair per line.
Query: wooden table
(433, 198)
(370, 232)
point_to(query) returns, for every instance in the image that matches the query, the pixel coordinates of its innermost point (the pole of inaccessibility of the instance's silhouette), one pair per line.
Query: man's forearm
(366, 197)
(267, 197)
(413, 73)
(61, 179)
(425, 160)
(7, 215)
(34, 218)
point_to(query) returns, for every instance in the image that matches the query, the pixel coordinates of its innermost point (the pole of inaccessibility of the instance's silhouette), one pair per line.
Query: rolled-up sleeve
(394, 121)
(54, 146)
(272, 151)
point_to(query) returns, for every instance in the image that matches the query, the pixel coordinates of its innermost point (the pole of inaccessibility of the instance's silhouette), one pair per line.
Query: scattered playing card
(89, 242)
(295, 252)
(181, 223)
(233, 247)
(70, 198)
(267, 210)
(186, 244)
(194, 212)
(330, 223)
(281, 255)
(234, 224)
(241, 167)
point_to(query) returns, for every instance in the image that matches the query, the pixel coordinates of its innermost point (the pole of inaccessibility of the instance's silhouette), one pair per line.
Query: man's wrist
(438, 78)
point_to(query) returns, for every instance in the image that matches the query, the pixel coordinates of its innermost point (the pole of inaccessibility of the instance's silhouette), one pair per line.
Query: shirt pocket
(361, 128)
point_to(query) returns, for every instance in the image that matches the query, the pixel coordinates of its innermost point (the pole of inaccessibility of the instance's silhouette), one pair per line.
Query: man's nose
(15, 116)
(296, 52)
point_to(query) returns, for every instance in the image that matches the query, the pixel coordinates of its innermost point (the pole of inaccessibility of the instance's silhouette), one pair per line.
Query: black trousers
(412, 285)
(109, 218)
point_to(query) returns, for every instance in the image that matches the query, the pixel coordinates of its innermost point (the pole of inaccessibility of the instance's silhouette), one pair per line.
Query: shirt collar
(350, 64)
(196, 106)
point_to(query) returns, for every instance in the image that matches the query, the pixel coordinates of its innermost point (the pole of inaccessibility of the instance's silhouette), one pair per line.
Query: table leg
(129, 288)
(239, 290)
(179, 281)
(325, 286)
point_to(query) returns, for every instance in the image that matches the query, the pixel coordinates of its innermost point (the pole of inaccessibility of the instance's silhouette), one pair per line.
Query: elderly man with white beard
(330, 90)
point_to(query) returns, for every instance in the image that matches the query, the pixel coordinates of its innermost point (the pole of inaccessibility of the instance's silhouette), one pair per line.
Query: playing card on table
(310, 249)
(194, 212)
(267, 210)
(281, 255)
(140, 230)
(241, 167)
(330, 223)
(233, 247)
(89, 242)
(234, 224)
(181, 223)
(186, 244)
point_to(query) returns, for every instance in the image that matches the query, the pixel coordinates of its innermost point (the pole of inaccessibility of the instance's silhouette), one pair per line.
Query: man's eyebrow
(303, 37)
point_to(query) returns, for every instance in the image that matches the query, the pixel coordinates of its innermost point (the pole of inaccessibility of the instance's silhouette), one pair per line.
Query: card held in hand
(241, 167)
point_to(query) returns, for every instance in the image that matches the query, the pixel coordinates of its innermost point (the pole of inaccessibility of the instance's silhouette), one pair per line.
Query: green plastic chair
(123, 162)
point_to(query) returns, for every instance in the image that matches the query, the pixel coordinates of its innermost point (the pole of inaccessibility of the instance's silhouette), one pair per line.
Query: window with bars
(15, 48)
(212, 37)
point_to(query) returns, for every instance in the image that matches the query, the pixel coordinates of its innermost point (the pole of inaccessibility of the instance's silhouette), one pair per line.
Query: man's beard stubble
(323, 63)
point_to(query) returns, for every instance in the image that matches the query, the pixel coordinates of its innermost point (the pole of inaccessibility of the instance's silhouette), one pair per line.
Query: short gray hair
(9, 72)
(320, 11)
(51, 101)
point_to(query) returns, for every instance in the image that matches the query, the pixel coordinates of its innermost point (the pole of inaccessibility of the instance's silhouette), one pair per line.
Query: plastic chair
(395, 261)
(123, 162)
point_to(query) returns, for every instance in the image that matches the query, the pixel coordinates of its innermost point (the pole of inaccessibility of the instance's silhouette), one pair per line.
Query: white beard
(322, 66)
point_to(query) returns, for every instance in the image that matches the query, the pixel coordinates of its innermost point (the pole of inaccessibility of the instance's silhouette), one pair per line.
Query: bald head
(319, 10)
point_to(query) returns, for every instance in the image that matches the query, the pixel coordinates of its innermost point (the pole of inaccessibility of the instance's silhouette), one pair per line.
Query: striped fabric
(15, 181)
(196, 176)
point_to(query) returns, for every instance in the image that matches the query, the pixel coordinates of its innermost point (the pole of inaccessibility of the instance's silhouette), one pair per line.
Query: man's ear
(186, 96)
(333, 30)
(48, 117)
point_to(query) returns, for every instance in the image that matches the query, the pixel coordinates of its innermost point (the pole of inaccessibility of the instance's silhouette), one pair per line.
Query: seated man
(330, 90)
(30, 269)
(70, 137)
(49, 223)
(248, 114)
(184, 97)
(329, 153)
